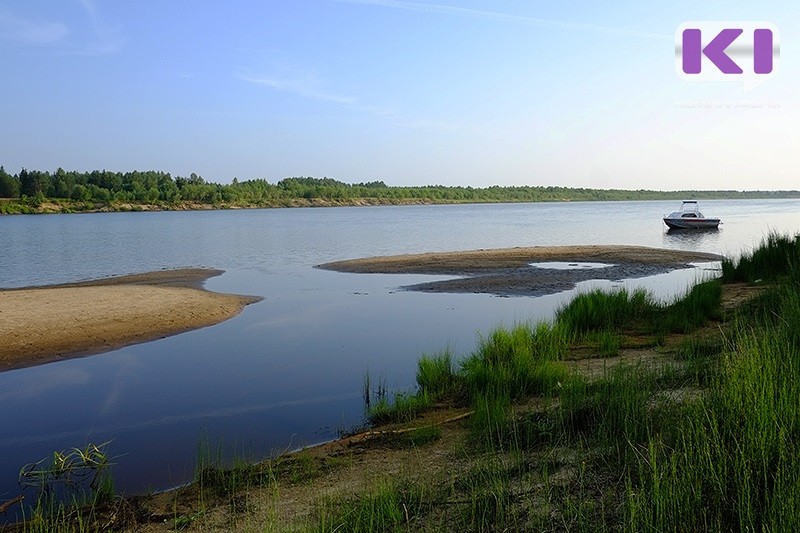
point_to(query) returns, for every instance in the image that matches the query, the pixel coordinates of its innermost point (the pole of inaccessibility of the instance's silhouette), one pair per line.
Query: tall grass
(389, 507)
(734, 460)
(437, 377)
(600, 315)
(486, 493)
(613, 411)
(514, 362)
(602, 311)
(701, 303)
(775, 257)
(509, 364)
(403, 408)
(724, 459)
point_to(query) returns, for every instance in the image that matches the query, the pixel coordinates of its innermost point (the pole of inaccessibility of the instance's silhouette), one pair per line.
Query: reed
(508, 364)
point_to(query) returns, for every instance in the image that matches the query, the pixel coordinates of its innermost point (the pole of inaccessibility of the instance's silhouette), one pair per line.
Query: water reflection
(693, 239)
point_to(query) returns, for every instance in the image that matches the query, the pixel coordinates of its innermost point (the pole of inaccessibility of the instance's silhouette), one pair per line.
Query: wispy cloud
(106, 37)
(441, 9)
(307, 86)
(30, 33)
(58, 37)
(287, 77)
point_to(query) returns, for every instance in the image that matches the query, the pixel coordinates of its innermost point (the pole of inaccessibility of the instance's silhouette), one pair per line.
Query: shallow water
(562, 265)
(288, 371)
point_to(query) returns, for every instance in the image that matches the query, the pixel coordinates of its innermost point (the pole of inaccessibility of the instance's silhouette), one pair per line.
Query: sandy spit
(43, 324)
(507, 271)
(491, 259)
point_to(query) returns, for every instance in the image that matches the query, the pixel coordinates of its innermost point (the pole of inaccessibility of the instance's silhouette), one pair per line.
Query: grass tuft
(605, 311)
(389, 507)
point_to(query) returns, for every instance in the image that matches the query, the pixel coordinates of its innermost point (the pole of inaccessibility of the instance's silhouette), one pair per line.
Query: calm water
(288, 370)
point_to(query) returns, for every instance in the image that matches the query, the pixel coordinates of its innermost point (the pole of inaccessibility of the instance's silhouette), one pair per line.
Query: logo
(745, 52)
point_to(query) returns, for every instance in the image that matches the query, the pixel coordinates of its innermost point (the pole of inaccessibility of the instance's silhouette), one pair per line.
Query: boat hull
(691, 223)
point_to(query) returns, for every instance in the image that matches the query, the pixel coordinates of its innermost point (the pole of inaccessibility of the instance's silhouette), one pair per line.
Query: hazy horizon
(463, 93)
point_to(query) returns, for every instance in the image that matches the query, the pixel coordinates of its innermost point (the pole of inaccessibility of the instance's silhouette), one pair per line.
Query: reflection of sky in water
(289, 369)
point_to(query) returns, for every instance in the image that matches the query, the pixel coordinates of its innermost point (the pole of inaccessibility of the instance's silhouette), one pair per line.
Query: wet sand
(507, 271)
(43, 324)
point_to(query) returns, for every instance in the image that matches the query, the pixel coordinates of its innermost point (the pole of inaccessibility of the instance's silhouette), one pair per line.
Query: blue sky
(572, 93)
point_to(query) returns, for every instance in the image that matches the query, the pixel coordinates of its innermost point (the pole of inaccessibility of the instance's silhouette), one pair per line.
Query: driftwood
(5, 505)
(371, 434)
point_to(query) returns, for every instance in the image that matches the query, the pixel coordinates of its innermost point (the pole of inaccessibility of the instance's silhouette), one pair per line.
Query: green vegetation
(775, 257)
(609, 313)
(654, 455)
(384, 509)
(72, 488)
(733, 463)
(603, 311)
(698, 430)
(34, 191)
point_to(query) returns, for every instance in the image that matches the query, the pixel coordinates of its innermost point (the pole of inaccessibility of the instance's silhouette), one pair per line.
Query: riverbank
(43, 324)
(433, 473)
(508, 271)
(64, 206)
(611, 418)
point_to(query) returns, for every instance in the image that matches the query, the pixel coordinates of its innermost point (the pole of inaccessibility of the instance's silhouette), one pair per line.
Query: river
(288, 371)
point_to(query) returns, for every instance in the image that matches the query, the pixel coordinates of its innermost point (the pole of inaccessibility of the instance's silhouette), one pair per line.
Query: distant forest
(31, 191)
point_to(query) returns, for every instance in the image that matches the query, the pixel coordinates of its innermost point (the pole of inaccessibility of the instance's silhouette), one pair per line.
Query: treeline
(158, 188)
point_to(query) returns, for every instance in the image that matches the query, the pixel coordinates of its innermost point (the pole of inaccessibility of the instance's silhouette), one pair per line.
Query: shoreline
(508, 271)
(50, 323)
(15, 206)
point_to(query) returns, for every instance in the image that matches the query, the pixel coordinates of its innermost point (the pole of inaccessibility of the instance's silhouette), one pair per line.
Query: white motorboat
(690, 217)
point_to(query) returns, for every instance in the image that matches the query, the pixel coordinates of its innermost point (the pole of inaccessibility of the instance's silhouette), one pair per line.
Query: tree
(9, 185)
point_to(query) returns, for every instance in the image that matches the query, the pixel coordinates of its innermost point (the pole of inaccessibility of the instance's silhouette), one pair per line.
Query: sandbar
(43, 324)
(508, 271)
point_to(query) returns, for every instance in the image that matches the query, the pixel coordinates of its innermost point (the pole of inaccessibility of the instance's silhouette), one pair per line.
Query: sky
(472, 93)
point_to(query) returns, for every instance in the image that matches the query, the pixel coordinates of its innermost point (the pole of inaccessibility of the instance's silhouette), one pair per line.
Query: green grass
(700, 304)
(725, 457)
(488, 497)
(775, 257)
(388, 507)
(605, 311)
(437, 377)
(514, 362)
(612, 411)
(403, 408)
(414, 438)
(598, 315)
(733, 461)
(510, 365)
